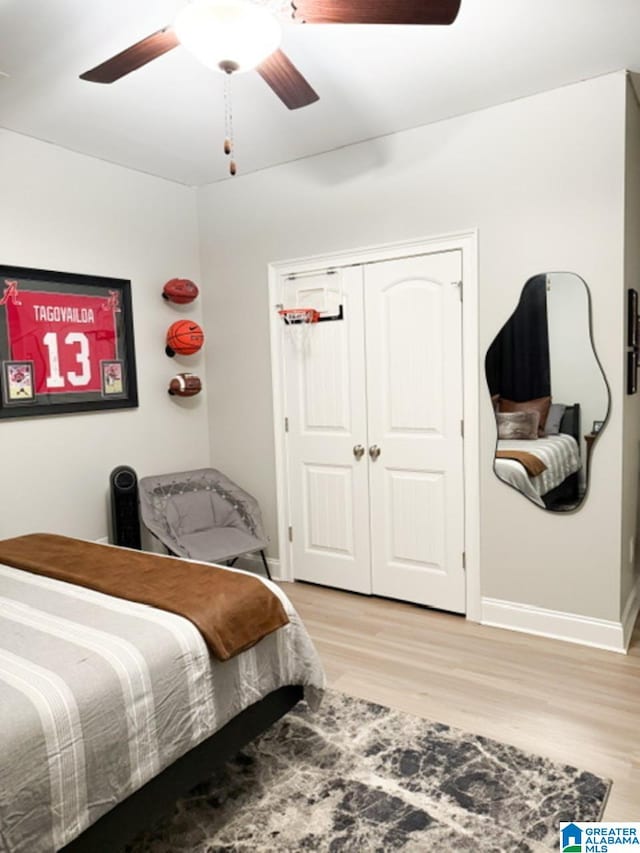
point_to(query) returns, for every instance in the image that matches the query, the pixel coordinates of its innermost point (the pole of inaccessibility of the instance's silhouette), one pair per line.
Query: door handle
(374, 452)
(358, 451)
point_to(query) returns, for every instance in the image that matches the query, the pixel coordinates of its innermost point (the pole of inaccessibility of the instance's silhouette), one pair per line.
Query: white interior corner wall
(630, 550)
(63, 211)
(543, 180)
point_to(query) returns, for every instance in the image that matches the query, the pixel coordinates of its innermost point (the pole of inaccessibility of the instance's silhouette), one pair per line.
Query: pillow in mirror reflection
(518, 425)
(554, 419)
(539, 405)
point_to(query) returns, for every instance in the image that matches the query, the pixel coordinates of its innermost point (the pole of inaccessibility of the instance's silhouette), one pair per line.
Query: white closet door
(326, 408)
(414, 387)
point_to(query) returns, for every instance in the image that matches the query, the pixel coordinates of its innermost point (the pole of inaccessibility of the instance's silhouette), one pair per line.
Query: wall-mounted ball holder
(184, 337)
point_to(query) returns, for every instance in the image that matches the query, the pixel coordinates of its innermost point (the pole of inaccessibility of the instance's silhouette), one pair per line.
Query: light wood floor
(570, 703)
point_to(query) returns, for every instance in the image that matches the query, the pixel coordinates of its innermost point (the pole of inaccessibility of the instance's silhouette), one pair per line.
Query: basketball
(180, 291)
(185, 385)
(184, 337)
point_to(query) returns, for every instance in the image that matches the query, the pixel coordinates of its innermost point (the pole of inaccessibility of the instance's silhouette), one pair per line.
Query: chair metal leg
(265, 564)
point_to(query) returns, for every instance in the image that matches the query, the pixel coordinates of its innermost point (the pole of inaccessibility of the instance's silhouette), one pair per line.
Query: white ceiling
(167, 118)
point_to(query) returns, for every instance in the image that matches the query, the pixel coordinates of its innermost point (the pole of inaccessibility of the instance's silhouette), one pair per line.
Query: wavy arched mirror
(549, 393)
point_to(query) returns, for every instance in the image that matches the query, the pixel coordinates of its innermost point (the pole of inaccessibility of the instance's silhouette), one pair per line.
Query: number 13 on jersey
(65, 335)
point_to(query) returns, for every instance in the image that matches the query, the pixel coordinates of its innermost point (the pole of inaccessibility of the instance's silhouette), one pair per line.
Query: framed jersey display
(66, 343)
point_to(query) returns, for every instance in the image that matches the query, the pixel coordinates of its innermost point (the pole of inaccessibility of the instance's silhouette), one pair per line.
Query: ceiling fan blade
(286, 81)
(133, 57)
(376, 11)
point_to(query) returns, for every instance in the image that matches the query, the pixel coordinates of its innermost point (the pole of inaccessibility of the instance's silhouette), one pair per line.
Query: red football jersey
(66, 336)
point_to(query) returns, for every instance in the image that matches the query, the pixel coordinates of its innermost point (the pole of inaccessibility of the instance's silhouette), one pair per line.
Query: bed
(559, 484)
(112, 709)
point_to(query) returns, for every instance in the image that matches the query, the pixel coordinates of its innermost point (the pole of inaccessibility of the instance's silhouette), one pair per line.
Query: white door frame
(467, 243)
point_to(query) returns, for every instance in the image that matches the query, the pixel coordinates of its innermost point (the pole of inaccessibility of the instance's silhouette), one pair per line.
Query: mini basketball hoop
(298, 321)
(295, 316)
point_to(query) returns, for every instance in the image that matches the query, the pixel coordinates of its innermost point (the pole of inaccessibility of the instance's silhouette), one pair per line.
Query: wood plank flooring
(570, 703)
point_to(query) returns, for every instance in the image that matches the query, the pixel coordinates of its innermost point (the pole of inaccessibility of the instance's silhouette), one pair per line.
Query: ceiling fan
(239, 35)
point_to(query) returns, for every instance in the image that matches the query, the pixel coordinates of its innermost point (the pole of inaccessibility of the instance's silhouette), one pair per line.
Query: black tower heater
(125, 521)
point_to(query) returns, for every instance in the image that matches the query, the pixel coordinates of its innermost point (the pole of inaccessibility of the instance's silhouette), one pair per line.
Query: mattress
(99, 694)
(560, 453)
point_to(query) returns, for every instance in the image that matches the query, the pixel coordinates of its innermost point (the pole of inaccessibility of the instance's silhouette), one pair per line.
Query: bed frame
(154, 800)
(567, 494)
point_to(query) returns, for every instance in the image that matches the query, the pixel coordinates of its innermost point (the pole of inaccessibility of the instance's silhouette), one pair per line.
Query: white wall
(542, 178)
(631, 436)
(63, 211)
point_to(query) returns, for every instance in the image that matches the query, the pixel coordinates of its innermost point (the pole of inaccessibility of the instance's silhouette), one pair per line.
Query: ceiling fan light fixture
(224, 33)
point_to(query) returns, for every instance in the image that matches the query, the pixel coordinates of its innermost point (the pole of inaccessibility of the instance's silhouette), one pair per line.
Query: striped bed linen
(99, 694)
(560, 453)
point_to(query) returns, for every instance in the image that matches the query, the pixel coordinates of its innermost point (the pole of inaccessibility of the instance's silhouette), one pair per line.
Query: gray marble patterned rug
(358, 777)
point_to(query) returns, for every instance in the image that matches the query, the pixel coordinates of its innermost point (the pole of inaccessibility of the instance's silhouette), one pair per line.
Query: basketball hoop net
(298, 322)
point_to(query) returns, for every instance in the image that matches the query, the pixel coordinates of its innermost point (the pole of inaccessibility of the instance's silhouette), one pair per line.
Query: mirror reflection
(548, 391)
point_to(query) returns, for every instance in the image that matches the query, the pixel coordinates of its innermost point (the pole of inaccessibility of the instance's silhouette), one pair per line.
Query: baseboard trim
(630, 613)
(599, 633)
(253, 563)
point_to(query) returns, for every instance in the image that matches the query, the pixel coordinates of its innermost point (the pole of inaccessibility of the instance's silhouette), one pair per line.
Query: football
(185, 385)
(180, 291)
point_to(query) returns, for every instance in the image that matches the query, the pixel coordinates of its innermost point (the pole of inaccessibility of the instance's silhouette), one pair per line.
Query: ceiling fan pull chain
(228, 124)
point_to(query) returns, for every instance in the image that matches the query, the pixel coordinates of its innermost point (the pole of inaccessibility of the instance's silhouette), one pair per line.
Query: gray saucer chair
(202, 515)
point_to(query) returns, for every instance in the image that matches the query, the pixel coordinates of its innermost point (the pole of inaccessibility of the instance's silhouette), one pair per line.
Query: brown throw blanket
(232, 611)
(532, 464)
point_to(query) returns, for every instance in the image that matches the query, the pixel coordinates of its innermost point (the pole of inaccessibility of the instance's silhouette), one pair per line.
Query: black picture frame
(73, 336)
(632, 372)
(632, 318)
(597, 426)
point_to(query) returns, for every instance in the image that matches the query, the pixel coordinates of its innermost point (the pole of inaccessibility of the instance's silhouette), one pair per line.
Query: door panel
(413, 399)
(414, 388)
(328, 501)
(326, 408)
(325, 385)
(415, 519)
